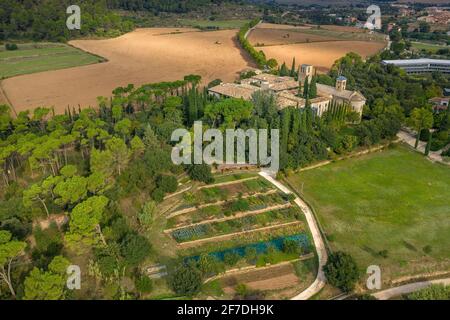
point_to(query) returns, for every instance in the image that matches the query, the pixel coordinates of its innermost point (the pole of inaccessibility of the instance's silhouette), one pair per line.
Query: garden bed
(227, 209)
(246, 223)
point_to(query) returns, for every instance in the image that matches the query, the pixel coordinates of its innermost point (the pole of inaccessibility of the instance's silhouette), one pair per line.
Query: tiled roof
(324, 90)
(233, 90)
(276, 83)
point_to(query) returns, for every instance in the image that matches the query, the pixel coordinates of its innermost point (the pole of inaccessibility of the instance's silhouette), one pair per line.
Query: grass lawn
(221, 24)
(38, 57)
(427, 46)
(394, 200)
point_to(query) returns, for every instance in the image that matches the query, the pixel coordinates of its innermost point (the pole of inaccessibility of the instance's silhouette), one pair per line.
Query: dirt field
(321, 54)
(281, 26)
(343, 28)
(268, 37)
(275, 278)
(142, 56)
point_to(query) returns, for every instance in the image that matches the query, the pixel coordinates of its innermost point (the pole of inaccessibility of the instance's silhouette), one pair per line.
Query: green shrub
(291, 247)
(166, 183)
(158, 195)
(11, 46)
(144, 284)
(185, 280)
(341, 271)
(231, 258)
(201, 172)
(240, 205)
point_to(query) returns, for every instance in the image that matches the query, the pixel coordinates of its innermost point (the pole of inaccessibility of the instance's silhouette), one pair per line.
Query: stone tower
(306, 71)
(341, 83)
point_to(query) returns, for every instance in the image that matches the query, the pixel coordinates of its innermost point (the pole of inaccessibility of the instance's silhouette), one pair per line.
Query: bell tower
(341, 83)
(306, 71)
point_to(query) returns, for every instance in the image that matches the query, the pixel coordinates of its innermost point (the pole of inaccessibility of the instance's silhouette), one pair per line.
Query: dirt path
(408, 288)
(322, 254)
(434, 156)
(228, 183)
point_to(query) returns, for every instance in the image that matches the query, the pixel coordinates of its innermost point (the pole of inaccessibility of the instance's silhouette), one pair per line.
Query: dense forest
(46, 20)
(157, 6)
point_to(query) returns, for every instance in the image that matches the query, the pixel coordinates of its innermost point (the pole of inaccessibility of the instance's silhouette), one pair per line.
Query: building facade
(286, 91)
(417, 66)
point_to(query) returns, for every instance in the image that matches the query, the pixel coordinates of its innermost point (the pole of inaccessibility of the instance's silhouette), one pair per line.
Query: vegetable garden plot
(236, 225)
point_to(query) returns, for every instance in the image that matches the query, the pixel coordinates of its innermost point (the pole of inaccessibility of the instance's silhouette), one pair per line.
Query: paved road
(320, 280)
(411, 140)
(408, 288)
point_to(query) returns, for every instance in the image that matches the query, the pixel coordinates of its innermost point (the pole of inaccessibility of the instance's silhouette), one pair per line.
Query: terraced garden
(241, 221)
(246, 223)
(228, 209)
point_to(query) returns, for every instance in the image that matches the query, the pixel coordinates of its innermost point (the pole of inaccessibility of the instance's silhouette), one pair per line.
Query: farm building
(286, 91)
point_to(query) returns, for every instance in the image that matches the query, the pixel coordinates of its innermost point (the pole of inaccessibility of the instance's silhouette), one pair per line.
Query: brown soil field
(321, 54)
(268, 37)
(343, 29)
(274, 278)
(281, 26)
(142, 56)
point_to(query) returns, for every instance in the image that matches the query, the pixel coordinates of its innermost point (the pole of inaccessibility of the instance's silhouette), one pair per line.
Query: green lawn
(427, 46)
(38, 57)
(394, 200)
(221, 24)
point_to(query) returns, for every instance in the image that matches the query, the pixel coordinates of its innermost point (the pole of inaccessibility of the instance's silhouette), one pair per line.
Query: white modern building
(421, 65)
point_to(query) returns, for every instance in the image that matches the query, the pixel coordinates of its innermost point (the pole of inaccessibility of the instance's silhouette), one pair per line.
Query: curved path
(322, 254)
(408, 288)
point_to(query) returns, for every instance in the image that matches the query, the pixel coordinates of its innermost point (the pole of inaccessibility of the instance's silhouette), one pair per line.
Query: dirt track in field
(141, 56)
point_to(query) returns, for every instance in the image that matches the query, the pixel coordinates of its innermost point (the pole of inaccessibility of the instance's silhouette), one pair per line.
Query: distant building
(421, 65)
(286, 91)
(439, 103)
(447, 92)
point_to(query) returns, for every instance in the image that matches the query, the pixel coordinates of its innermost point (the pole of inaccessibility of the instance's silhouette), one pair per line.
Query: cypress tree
(428, 146)
(285, 126)
(292, 74)
(306, 88)
(284, 70)
(309, 116)
(313, 88)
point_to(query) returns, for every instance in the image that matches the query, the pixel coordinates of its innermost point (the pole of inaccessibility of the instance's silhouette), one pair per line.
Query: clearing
(389, 208)
(139, 57)
(38, 57)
